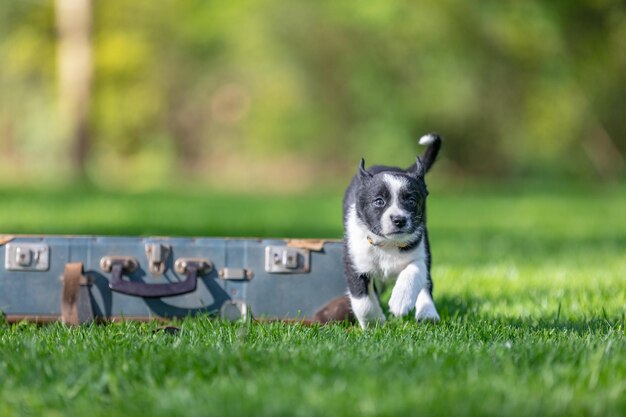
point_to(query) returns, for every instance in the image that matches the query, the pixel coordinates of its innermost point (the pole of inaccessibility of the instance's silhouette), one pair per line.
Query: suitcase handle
(121, 265)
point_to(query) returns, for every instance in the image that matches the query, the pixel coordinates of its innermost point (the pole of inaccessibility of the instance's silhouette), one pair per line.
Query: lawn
(530, 283)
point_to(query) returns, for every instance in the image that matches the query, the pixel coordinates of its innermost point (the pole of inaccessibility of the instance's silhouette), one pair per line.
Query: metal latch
(287, 260)
(157, 258)
(27, 257)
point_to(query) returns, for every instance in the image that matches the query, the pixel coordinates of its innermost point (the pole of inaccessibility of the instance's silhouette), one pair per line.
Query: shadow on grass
(487, 246)
(467, 309)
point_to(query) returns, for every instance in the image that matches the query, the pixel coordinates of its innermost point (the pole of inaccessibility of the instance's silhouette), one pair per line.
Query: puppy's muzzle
(399, 221)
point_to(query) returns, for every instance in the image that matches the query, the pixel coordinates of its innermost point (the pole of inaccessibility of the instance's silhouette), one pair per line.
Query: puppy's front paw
(400, 302)
(427, 313)
(425, 309)
(404, 294)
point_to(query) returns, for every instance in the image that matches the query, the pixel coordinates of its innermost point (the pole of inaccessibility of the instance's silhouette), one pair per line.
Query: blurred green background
(287, 96)
(248, 118)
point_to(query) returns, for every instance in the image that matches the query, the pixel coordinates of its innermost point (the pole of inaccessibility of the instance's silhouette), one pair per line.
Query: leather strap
(75, 300)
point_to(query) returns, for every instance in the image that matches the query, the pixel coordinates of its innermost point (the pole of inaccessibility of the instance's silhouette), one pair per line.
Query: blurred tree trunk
(184, 122)
(74, 60)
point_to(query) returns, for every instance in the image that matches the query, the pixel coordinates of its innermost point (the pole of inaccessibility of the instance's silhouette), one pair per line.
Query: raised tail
(429, 156)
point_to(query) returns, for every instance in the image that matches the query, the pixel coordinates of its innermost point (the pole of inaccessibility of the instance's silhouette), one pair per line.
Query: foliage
(243, 91)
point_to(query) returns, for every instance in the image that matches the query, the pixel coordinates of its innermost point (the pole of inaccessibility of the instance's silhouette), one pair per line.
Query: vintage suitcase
(84, 278)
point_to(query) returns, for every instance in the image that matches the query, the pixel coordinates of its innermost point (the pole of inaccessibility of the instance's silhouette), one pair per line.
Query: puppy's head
(391, 203)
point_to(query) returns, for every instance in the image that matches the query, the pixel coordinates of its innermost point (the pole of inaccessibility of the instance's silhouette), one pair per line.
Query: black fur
(429, 156)
(366, 186)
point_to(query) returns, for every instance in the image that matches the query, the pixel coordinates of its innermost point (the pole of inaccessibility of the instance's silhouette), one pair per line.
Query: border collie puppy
(384, 216)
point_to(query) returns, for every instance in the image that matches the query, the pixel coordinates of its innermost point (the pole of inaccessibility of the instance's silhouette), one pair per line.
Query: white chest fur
(380, 260)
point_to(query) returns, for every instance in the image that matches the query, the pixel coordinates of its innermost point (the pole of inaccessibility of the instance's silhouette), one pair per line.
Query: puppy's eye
(379, 202)
(411, 202)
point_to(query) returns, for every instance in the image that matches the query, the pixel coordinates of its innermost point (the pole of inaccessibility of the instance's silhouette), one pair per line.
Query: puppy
(384, 215)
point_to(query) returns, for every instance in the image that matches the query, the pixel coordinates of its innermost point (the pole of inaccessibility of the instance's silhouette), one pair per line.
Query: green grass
(88, 211)
(530, 284)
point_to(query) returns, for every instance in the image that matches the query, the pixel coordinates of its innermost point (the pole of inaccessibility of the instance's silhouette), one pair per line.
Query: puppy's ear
(419, 170)
(363, 173)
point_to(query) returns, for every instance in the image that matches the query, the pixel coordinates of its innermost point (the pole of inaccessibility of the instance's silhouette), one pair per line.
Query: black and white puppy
(384, 215)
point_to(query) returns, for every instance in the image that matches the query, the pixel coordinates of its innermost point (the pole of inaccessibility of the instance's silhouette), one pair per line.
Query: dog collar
(402, 246)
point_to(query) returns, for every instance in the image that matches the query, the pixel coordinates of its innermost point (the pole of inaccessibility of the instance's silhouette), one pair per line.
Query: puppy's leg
(425, 307)
(364, 301)
(404, 294)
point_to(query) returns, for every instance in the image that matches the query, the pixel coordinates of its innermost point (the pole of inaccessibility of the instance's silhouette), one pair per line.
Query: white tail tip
(427, 139)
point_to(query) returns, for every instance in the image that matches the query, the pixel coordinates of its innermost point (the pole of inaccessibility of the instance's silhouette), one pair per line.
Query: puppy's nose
(398, 221)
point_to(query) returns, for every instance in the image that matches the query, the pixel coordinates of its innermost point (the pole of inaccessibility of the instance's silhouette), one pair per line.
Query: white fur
(427, 139)
(425, 307)
(382, 260)
(385, 261)
(367, 308)
(408, 285)
(395, 185)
